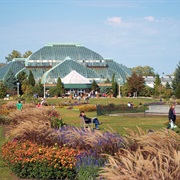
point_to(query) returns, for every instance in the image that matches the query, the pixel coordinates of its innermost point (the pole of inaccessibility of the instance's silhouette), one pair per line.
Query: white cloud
(117, 22)
(149, 18)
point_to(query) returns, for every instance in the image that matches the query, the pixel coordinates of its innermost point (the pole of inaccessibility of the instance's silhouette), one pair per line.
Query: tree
(59, 87)
(14, 54)
(176, 80)
(31, 79)
(27, 87)
(27, 54)
(114, 86)
(17, 54)
(135, 83)
(168, 85)
(157, 85)
(94, 86)
(177, 92)
(10, 81)
(144, 70)
(22, 76)
(3, 90)
(107, 81)
(52, 91)
(39, 89)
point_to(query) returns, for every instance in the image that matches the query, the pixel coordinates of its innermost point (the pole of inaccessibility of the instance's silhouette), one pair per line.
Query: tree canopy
(17, 54)
(31, 79)
(176, 80)
(135, 83)
(10, 80)
(144, 70)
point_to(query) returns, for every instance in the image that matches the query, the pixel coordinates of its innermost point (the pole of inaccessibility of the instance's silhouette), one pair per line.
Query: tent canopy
(75, 78)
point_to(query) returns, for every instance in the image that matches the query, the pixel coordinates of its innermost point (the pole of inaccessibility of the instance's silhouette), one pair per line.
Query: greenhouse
(55, 61)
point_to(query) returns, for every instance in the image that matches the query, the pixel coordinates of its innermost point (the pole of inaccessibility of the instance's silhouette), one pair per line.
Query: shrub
(29, 160)
(85, 108)
(88, 165)
(55, 119)
(85, 139)
(4, 120)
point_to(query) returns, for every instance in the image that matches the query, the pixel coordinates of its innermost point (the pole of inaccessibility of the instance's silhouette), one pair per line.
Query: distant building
(149, 80)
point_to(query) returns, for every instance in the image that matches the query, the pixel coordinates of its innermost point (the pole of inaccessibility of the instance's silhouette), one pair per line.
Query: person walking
(172, 117)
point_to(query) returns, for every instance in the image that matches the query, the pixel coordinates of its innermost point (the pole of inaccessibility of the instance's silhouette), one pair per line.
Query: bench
(84, 124)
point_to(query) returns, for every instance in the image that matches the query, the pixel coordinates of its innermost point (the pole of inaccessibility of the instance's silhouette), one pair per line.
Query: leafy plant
(88, 165)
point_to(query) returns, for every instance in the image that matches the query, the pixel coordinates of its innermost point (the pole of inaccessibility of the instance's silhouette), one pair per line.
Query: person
(89, 120)
(38, 105)
(129, 104)
(171, 117)
(19, 105)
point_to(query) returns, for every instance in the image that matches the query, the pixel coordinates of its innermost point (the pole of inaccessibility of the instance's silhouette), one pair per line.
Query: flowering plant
(55, 119)
(30, 160)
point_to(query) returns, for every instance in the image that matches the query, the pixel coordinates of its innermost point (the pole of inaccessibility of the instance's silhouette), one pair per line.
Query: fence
(146, 109)
(119, 109)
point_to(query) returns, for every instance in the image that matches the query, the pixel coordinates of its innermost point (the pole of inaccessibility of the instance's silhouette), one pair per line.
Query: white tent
(75, 78)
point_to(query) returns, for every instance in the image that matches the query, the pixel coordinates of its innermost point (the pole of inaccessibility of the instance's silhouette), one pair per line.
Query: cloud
(117, 22)
(149, 18)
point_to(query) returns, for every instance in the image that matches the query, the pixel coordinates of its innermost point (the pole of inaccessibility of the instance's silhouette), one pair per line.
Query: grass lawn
(117, 123)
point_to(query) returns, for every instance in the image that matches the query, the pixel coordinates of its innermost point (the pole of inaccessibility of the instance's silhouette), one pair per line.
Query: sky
(131, 32)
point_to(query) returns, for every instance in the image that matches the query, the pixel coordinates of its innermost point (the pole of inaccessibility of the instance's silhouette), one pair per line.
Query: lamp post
(119, 89)
(18, 89)
(44, 89)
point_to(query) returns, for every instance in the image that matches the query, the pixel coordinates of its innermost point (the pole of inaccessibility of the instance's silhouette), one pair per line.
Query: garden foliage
(40, 145)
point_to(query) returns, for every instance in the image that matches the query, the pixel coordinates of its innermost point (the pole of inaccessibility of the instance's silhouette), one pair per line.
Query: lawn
(117, 123)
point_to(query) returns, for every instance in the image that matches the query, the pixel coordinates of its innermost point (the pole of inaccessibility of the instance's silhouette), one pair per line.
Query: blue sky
(131, 32)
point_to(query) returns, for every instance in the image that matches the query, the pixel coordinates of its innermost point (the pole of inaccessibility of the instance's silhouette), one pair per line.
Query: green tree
(3, 90)
(14, 54)
(52, 91)
(177, 91)
(59, 87)
(144, 70)
(167, 85)
(94, 86)
(135, 83)
(27, 88)
(176, 80)
(114, 86)
(39, 89)
(31, 79)
(10, 81)
(157, 85)
(107, 81)
(27, 54)
(22, 76)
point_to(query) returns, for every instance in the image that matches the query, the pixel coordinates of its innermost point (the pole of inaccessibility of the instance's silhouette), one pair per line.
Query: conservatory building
(55, 61)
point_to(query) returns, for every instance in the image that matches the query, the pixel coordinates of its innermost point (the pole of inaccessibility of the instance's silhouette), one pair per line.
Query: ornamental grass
(153, 155)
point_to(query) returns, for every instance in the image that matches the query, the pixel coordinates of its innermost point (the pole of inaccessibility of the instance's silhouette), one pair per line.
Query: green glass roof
(61, 51)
